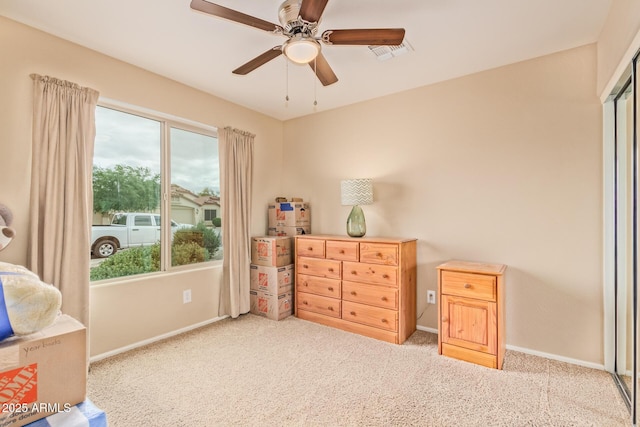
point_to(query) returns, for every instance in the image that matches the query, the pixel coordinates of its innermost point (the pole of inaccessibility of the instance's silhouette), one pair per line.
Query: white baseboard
(424, 328)
(154, 339)
(536, 353)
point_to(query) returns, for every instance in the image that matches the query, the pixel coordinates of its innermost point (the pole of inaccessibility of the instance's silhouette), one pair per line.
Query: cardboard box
(271, 306)
(275, 280)
(272, 251)
(43, 373)
(289, 214)
(288, 231)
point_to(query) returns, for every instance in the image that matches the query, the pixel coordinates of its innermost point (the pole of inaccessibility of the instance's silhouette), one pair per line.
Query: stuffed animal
(6, 232)
(27, 304)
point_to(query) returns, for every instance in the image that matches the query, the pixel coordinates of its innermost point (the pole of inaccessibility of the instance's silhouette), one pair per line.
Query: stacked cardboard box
(272, 277)
(289, 218)
(43, 373)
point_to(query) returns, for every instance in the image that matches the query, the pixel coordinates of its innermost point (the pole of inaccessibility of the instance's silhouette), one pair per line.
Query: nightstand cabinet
(471, 312)
(366, 285)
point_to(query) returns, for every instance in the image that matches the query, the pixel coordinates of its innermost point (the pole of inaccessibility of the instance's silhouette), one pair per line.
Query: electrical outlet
(186, 296)
(431, 297)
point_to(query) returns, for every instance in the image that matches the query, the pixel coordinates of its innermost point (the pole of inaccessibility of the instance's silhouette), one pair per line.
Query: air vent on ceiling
(384, 53)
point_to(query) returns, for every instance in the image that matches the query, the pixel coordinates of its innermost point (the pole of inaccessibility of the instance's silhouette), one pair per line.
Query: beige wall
(501, 166)
(617, 43)
(135, 310)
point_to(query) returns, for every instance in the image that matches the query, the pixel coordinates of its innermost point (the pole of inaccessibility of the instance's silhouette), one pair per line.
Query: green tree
(208, 191)
(125, 188)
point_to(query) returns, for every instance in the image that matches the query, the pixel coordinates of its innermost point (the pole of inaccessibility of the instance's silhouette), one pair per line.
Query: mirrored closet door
(624, 227)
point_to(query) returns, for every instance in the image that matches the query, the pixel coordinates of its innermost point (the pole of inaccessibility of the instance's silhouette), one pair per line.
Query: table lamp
(356, 192)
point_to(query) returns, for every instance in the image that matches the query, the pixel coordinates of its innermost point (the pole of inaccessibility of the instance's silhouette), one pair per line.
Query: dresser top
(354, 239)
(473, 267)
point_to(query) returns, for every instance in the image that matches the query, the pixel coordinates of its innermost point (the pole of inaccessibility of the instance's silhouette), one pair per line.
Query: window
(147, 167)
(210, 214)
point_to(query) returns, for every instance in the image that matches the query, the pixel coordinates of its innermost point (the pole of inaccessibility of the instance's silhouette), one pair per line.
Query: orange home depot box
(43, 373)
(271, 306)
(274, 280)
(289, 214)
(272, 251)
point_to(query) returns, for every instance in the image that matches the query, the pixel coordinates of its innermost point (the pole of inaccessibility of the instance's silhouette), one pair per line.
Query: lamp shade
(356, 191)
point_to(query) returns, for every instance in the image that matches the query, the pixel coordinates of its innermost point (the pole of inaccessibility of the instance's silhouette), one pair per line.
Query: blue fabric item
(82, 415)
(5, 326)
(286, 207)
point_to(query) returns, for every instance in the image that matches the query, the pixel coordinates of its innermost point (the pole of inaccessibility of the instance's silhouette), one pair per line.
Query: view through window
(137, 159)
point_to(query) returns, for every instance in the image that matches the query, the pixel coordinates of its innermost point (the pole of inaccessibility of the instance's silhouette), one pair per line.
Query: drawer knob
(330, 308)
(467, 285)
(305, 303)
(310, 249)
(353, 313)
(354, 272)
(331, 270)
(384, 299)
(385, 276)
(384, 321)
(379, 255)
(305, 266)
(342, 251)
(330, 288)
(353, 293)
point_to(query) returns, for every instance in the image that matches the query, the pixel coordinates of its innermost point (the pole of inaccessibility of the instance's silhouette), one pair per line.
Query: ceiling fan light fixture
(301, 50)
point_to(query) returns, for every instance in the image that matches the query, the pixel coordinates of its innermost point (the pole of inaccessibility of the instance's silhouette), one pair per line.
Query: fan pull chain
(286, 65)
(315, 82)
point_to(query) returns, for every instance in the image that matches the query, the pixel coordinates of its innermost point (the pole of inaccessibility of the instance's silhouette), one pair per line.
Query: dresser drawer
(344, 251)
(320, 267)
(310, 247)
(373, 316)
(380, 296)
(318, 285)
(470, 285)
(370, 273)
(318, 304)
(379, 253)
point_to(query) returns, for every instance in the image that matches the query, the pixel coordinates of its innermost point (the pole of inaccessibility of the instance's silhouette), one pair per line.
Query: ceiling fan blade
(323, 70)
(311, 10)
(372, 36)
(258, 61)
(233, 15)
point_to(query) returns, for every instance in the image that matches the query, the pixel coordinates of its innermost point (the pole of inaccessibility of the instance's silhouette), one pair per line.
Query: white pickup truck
(127, 230)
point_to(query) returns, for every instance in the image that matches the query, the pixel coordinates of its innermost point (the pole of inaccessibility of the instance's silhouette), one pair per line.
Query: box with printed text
(289, 214)
(271, 306)
(272, 251)
(274, 280)
(43, 373)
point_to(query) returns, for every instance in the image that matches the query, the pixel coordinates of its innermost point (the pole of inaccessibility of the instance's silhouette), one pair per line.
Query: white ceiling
(450, 38)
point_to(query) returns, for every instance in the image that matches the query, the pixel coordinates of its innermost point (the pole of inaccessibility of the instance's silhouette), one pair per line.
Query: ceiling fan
(299, 19)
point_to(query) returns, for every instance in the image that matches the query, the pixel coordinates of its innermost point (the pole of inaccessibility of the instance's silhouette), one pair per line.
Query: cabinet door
(469, 323)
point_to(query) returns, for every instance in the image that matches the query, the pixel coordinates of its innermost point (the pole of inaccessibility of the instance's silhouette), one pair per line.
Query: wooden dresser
(471, 312)
(362, 285)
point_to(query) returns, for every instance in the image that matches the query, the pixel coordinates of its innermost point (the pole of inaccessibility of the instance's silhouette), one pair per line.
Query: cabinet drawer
(318, 285)
(379, 253)
(344, 251)
(380, 296)
(318, 304)
(470, 285)
(310, 247)
(373, 316)
(370, 273)
(320, 267)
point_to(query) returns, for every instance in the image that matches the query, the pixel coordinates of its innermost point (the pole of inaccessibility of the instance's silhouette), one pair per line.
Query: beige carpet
(256, 372)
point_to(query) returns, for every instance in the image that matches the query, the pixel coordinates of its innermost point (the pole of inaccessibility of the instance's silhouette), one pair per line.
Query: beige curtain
(61, 189)
(236, 173)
